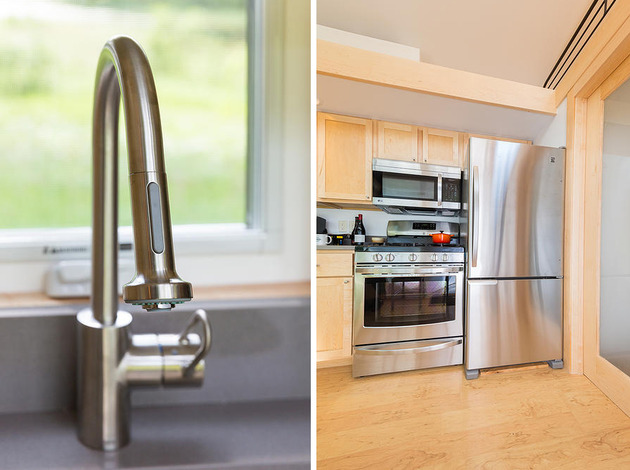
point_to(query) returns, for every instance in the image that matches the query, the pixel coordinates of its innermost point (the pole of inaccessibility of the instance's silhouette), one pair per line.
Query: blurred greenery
(198, 53)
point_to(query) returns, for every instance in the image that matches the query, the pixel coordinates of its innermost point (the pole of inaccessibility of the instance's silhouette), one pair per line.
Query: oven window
(405, 301)
(409, 186)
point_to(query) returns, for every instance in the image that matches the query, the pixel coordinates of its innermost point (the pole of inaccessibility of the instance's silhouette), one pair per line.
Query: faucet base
(103, 401)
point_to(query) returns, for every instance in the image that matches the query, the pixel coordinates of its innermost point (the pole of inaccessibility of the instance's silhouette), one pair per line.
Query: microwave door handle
(475, 216)
(439, 189)
(406, 211)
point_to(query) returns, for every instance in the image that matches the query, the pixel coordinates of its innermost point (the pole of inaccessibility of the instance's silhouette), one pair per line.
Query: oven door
(406, 302)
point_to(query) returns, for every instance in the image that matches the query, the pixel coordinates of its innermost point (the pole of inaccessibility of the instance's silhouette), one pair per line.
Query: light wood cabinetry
(344, 158)
(396, 141)
(441, 147)
(334, 308)
(334, 263)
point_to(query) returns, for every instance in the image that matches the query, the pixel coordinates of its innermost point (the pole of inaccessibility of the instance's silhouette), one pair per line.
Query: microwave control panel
(451, 190)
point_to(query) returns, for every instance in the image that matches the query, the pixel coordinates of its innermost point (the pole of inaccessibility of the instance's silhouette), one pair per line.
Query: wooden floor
(522, 418)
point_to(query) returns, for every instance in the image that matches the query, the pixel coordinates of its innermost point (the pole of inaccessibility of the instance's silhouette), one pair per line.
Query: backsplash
(375, 221)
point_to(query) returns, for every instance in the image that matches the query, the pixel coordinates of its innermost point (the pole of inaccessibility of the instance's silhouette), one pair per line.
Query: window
(206, 57)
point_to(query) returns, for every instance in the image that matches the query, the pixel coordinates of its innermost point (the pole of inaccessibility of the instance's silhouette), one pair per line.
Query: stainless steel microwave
(400, 187)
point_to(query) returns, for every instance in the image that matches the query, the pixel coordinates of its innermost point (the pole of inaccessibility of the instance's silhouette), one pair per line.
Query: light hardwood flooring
(521, 418)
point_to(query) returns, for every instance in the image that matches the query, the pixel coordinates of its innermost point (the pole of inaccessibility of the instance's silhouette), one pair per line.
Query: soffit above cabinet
(354, 98)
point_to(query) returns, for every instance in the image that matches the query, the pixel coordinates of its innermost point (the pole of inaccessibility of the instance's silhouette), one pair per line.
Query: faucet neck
(123, 70)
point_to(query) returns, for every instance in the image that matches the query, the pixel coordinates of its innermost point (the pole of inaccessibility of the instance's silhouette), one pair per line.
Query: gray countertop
(239, 436)
(336, 247)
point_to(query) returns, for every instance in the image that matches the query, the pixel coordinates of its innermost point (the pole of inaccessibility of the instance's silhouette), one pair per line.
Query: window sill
(287, 290)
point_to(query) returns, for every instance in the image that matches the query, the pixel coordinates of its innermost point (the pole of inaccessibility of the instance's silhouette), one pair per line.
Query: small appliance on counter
(515, 239)
(408, 300)
(341, 239)
(321, 225)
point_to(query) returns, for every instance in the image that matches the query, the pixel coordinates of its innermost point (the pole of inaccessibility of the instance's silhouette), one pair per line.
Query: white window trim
(261, 233)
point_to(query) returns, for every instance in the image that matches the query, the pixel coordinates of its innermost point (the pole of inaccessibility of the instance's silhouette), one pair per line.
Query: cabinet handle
(317, 265)
(346, 281)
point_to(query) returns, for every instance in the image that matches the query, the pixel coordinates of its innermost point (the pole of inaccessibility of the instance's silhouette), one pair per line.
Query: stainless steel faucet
(111, 358)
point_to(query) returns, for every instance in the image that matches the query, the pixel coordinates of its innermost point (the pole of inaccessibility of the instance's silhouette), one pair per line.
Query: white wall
(555, 133)
(375, 222)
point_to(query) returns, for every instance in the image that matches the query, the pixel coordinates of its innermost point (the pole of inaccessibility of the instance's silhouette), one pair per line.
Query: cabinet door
(334, 318)
(344, 158)
(332, 263)
(395, 141)
(441, 147)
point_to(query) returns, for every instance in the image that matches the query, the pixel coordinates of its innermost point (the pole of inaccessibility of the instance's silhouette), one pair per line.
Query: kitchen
(379, 419)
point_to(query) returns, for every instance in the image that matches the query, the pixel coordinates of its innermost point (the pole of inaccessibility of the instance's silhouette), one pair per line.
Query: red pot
(441, 237)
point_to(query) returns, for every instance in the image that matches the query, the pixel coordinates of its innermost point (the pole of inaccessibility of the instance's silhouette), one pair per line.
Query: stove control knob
(413, 257)
(390, 257)
(377, 257)
(445, 257)
(434, 257)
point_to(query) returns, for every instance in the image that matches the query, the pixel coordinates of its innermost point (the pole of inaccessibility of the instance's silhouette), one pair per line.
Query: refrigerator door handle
(475, 215)
(483, 282)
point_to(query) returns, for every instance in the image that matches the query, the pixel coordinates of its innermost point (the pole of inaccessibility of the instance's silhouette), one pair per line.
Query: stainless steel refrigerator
(515, 229)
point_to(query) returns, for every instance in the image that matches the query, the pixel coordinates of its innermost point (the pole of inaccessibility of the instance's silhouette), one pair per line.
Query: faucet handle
(200, 316)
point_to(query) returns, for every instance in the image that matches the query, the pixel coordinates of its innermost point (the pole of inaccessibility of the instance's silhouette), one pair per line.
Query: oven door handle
(401, 348)
(368, 272)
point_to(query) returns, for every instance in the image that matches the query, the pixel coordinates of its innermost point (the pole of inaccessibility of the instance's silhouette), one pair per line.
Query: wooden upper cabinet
(344, 158)
(395, 141)
(441, 147)
(464, 140)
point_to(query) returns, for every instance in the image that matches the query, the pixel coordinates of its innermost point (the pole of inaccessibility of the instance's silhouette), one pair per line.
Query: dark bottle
(358, 233)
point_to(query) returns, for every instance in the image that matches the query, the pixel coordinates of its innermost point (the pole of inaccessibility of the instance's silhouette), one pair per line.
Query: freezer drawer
(407, 355)
(513, 322)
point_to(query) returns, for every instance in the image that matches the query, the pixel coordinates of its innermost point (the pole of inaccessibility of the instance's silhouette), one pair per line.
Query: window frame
(261, 231)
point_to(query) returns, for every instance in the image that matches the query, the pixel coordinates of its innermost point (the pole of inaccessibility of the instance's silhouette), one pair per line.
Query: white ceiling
(518, 40)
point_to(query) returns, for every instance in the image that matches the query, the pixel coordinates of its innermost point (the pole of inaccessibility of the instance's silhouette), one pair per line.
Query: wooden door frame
(604, 56)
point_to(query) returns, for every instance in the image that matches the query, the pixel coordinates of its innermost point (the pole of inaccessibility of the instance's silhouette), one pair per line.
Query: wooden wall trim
(608, 47)
(574, 235)
(371, 67)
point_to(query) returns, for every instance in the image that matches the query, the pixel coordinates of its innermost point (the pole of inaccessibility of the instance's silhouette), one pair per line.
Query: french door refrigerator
(515, 229)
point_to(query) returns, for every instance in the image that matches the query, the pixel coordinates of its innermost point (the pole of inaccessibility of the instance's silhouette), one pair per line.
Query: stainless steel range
(408, 300)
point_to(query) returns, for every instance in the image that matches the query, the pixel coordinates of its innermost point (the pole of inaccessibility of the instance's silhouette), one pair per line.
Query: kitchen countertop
(335, 247)
(203, 293)
(237, 436)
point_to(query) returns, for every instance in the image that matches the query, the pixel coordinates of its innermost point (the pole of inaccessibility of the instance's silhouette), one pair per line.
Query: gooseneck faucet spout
(111, 359)
(124, 69)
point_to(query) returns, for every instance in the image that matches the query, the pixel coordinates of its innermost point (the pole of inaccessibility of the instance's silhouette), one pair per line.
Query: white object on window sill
(74, 278)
